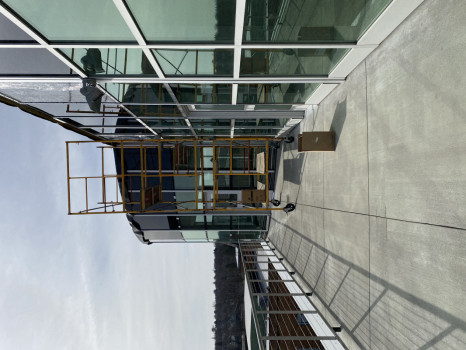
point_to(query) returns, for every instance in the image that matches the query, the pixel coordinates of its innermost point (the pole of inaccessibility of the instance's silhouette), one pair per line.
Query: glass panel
(194, 222)
(153, 111)
(168, 132)
(237, 182)
(45, 92)
(139, 93)
(232, 236)
(74, 20)
(110, 61)
(9, 31)
(243, 132)
(275, 93)
(165, 123)
(79, 110)
(240, 160)
(273, 107)
(30, 61)
(309, 20)
(260, 122)
(290, 62)
(221, 107)
(218, 236)
(202, 93)
(195, 62)
(205, 20)
(196, 123)
(215, 132)
(222, 222)
(194, 236)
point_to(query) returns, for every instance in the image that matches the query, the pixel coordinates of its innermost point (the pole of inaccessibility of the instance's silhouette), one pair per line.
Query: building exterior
(192, 98)
(147, 70)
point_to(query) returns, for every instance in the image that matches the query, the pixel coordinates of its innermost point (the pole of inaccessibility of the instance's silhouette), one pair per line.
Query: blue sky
(85, 282)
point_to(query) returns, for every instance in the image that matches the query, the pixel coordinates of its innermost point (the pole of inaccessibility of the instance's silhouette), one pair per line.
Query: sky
(86, 282)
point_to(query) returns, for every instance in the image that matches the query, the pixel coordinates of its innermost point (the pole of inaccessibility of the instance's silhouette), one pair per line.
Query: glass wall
(223, 222)
(290, 62)
(110, 61)
(309, 20)
(275, 93)
(195, 62)
(82, 20)
(201, 20)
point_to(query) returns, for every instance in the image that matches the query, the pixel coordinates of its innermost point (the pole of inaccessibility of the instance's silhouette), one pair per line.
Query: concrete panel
(347, 236)
(417, 123)
(346, 169)
(347, 273)
(312, 181)
(302, 256)
(418, 284)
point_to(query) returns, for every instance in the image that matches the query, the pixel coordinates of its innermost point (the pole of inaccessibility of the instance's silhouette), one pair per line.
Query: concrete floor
(379, 232)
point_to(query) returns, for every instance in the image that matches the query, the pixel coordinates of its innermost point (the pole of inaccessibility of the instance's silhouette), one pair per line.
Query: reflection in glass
(201, 20)
(43, 92)
(273, 107)
(30, 61)
(206, 123)
(172, 132)
(279, 123)
(74, 20)
(221, 107)
(193, 236)
(139, 93)
(222, 222)
(213, 132)
(251, 131)
(195, 62)
(202, 93)
(92, 93)
(290, 62)
(309, 20)
(10, 31)
(275, 93)
(110, 61)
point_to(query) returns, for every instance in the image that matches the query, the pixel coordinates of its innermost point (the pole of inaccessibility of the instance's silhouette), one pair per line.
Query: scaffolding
(147, 186)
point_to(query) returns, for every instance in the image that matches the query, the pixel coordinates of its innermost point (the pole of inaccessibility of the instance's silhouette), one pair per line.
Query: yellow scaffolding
(188, 154)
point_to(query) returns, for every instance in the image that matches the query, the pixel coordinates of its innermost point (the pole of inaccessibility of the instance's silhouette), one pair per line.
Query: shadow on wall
(339, 118)
(392, 316)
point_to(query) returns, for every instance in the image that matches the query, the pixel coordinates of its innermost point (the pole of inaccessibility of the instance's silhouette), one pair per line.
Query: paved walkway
(379, 232)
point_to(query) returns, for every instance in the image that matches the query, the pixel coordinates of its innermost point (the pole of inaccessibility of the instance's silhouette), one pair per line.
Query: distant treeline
(229, 322)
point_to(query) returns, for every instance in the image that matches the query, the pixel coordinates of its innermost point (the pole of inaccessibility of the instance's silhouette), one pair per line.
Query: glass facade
(157, 69)
(109, 61)
(290, 62)
(309, 20)
(195, 62)
(202, 20)
(295, 93)
(202, 93)
(66, 20)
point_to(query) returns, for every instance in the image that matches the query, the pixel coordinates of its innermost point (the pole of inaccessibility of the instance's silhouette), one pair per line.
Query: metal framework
(139, 187)
(282, 314)
(393, 15)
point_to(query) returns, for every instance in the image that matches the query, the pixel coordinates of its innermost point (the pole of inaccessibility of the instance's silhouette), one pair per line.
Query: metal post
(68, 176)
(123, 197)
(267, 174)
(195, 174)
(142, 193)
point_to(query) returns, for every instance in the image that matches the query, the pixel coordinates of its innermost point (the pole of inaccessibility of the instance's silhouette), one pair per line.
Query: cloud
(85, 282)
